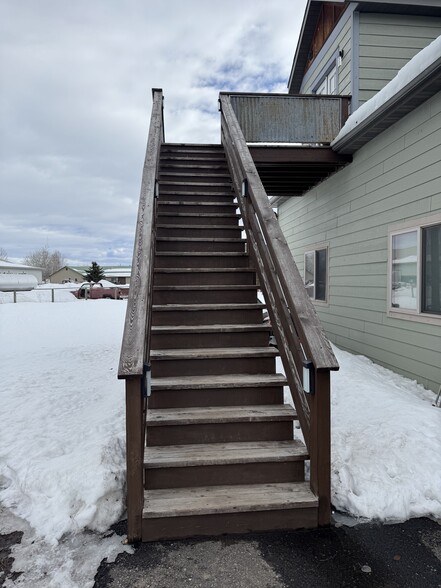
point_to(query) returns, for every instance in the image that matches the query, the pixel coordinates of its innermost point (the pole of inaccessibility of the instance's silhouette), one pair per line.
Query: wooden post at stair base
(135, 458)
(320, 445)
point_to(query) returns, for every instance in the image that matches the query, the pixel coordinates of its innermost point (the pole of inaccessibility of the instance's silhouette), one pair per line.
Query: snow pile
(386, 443)
(38, 295)
(422, 60)
(62, 449)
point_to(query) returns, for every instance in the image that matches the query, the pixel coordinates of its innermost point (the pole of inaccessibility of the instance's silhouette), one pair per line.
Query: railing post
(320, 445)
(134, 458)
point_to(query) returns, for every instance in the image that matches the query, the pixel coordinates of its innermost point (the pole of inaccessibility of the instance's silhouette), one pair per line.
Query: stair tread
(196, 307)
(213, 352)
(206, 174)
(202, 240)
(198, 203)
(211, 194)
(203, 214)
(197, 227)
(219, 414)
(202, 253)
(219, 381)
(212, 328)
(209, 287)
(179, 183)
(224, 453)
(227, 499)
(184, 270)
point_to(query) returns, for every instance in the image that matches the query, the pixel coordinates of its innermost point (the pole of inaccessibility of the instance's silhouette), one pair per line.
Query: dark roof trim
(417, 91)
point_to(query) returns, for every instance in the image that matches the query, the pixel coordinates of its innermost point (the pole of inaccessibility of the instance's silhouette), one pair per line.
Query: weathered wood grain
(223, 499)
(137, 323)
(224, 453)
(219, 414)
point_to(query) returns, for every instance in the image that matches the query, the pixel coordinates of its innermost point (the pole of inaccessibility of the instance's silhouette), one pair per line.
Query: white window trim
(324, 74)
(407, 227)
(313, 249)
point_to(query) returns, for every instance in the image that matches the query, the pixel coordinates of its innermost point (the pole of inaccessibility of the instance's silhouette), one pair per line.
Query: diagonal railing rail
(135, 351)
(305, 351)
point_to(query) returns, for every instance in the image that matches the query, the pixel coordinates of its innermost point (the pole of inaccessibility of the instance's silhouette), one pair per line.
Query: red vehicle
(95, 291)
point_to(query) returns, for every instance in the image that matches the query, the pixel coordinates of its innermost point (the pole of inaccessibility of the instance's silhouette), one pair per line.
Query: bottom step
(215, 510)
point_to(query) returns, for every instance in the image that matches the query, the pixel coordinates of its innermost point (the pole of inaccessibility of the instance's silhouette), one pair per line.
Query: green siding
(387, 43)
(396, 177)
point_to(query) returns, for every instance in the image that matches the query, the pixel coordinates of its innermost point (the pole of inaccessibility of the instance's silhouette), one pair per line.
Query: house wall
(339, 39)
(387, 43)
(395, 177)
(66, 273)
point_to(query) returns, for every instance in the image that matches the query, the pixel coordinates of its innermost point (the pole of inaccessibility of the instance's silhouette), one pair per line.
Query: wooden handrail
(135, 350)
(297, 328)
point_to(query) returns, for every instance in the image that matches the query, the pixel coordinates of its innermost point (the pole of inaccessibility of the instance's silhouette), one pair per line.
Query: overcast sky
(75, 103)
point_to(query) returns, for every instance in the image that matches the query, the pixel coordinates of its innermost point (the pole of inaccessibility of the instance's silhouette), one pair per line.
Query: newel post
(320, 445)
(135, 458)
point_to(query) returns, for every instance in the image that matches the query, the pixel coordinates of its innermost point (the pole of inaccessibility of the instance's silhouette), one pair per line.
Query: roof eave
(417, 91)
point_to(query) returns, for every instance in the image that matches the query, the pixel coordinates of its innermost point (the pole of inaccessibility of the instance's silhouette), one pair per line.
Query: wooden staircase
(220, 456)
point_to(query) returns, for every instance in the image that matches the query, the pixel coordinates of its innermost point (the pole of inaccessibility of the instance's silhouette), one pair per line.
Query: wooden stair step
(163, 192)
(198, 259)
(179, 502)
(200, 276)
(209, 173)
(220, 414)
(196, 219)
(217, 352)
(218, 287)
(201, 244)
(213, 381)
(197, 165)
(178, 456)
(209, 336)
(174, 329)
(200, 307)
(213, 464)
(201, 239)
(198, 184)
(205, 314)
(217, 204)
(216, 510)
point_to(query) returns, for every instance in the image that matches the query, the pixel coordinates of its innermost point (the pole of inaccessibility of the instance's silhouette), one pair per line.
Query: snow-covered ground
(62, 439)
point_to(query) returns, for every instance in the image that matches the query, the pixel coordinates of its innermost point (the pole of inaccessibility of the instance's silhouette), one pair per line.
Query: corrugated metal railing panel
(288, 119)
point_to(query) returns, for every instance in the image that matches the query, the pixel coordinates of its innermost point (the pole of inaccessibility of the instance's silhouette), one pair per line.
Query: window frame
(417, 225)
(314, 249)
(323, 77)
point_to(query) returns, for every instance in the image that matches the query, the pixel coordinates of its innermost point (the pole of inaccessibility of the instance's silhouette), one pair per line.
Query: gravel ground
(406, 555)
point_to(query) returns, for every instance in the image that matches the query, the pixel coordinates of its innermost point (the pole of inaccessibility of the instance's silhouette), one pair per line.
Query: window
(328, 84)
(316, 263)
(415, 270)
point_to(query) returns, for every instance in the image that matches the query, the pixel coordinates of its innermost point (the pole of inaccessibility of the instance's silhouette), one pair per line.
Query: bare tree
(49, 261)
(3, 254)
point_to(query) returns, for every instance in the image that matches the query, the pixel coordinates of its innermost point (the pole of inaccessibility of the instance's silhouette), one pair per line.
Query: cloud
(76, 100)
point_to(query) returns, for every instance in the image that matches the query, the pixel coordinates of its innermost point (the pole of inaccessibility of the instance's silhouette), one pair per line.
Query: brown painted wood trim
(135, 459)
(320, 446)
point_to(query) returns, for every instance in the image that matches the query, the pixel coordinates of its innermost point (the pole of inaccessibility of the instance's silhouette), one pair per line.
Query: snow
(422, 60)
(62, 440)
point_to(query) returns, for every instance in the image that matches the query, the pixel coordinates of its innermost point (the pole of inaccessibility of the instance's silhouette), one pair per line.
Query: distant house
(368, 238)
(17, 276)
(118, 275)
(69, 274)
